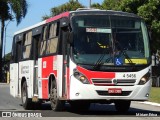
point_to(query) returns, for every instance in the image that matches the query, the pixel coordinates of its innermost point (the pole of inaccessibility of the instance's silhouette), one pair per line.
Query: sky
(36, 9)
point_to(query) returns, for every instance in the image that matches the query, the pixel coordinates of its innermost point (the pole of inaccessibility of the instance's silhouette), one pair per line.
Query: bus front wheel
(122, 106)
(56, 104)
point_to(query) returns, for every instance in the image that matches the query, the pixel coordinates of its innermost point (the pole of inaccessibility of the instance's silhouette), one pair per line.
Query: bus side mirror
(64, 22)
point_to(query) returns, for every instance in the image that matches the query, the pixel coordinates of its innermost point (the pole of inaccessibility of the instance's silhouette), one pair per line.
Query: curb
(151, 103)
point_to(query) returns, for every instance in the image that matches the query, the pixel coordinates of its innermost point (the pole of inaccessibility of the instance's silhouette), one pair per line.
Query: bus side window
(52, 41)
(43, 41)
(26, 48)
(16, 50)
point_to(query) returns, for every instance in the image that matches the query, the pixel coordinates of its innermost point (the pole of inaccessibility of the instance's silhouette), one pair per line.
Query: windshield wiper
(99, 61)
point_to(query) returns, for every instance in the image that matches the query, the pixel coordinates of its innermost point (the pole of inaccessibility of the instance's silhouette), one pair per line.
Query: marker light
(80, 77)
(145, 78)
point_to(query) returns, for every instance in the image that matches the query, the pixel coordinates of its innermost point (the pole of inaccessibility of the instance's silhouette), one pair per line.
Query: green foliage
(8, 57)
(19, 8)
(151, 13)
(69, 6)
(111, 4)
(131, 5)
(97, 6)
(4, 11)
(45, 17)
(10, 9)
(155, 94)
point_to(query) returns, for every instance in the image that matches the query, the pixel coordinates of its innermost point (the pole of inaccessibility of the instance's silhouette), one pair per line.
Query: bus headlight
(80, 77)
(145, 79)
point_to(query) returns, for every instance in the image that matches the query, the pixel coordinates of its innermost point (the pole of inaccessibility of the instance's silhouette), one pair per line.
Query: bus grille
(105, 93)
(110, 82)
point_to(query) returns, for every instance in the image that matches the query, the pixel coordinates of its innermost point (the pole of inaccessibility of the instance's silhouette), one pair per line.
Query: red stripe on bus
(44, 89)
(47, 70)
(47, 66)
(65, 14)
(95, 74)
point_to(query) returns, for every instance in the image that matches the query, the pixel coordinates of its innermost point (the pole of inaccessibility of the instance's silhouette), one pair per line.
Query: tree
(69, 6)
(111, 4)
(5, 67)
(131, 5)
(7, 7)
(151, 14)
(7, 57)
(97, 6)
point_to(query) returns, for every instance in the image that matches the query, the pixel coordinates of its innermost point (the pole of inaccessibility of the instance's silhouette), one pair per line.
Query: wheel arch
(27, 103)
(21, 84)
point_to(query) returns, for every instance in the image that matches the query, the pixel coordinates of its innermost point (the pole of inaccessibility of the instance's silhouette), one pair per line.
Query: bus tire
(79, 105)
(56, 104)
(26, 102)
(122, 106)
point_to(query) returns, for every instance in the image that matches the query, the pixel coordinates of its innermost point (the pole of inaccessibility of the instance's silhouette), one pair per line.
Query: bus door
(35, 53)
(65, 74)
(36, 47)
(64, 29)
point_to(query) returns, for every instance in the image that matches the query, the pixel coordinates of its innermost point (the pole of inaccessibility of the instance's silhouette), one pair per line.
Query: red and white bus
(82, 57)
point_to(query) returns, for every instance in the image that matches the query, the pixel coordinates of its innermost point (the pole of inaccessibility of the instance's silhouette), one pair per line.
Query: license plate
(114, 90)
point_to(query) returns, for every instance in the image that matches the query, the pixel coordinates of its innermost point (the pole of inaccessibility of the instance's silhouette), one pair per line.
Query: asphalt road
(137, 110)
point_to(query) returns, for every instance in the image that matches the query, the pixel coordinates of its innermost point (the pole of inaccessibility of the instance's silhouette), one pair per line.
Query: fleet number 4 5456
(129, 75)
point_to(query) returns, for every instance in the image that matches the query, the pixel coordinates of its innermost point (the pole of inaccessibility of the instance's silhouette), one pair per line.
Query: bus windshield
(109, 39)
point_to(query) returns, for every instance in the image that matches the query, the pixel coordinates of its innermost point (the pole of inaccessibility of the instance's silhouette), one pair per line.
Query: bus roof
(104, 12)
(79, 12)
(65, 14)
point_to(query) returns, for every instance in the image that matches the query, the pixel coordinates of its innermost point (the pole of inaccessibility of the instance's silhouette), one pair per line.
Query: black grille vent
(114, 82)
(101, 81)
(126, 81)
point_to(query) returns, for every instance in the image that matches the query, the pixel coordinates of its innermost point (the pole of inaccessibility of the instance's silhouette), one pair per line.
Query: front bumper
(80, 91)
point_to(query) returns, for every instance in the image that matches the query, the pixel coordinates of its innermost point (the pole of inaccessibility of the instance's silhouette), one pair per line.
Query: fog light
(147, 95)
(77, 94)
